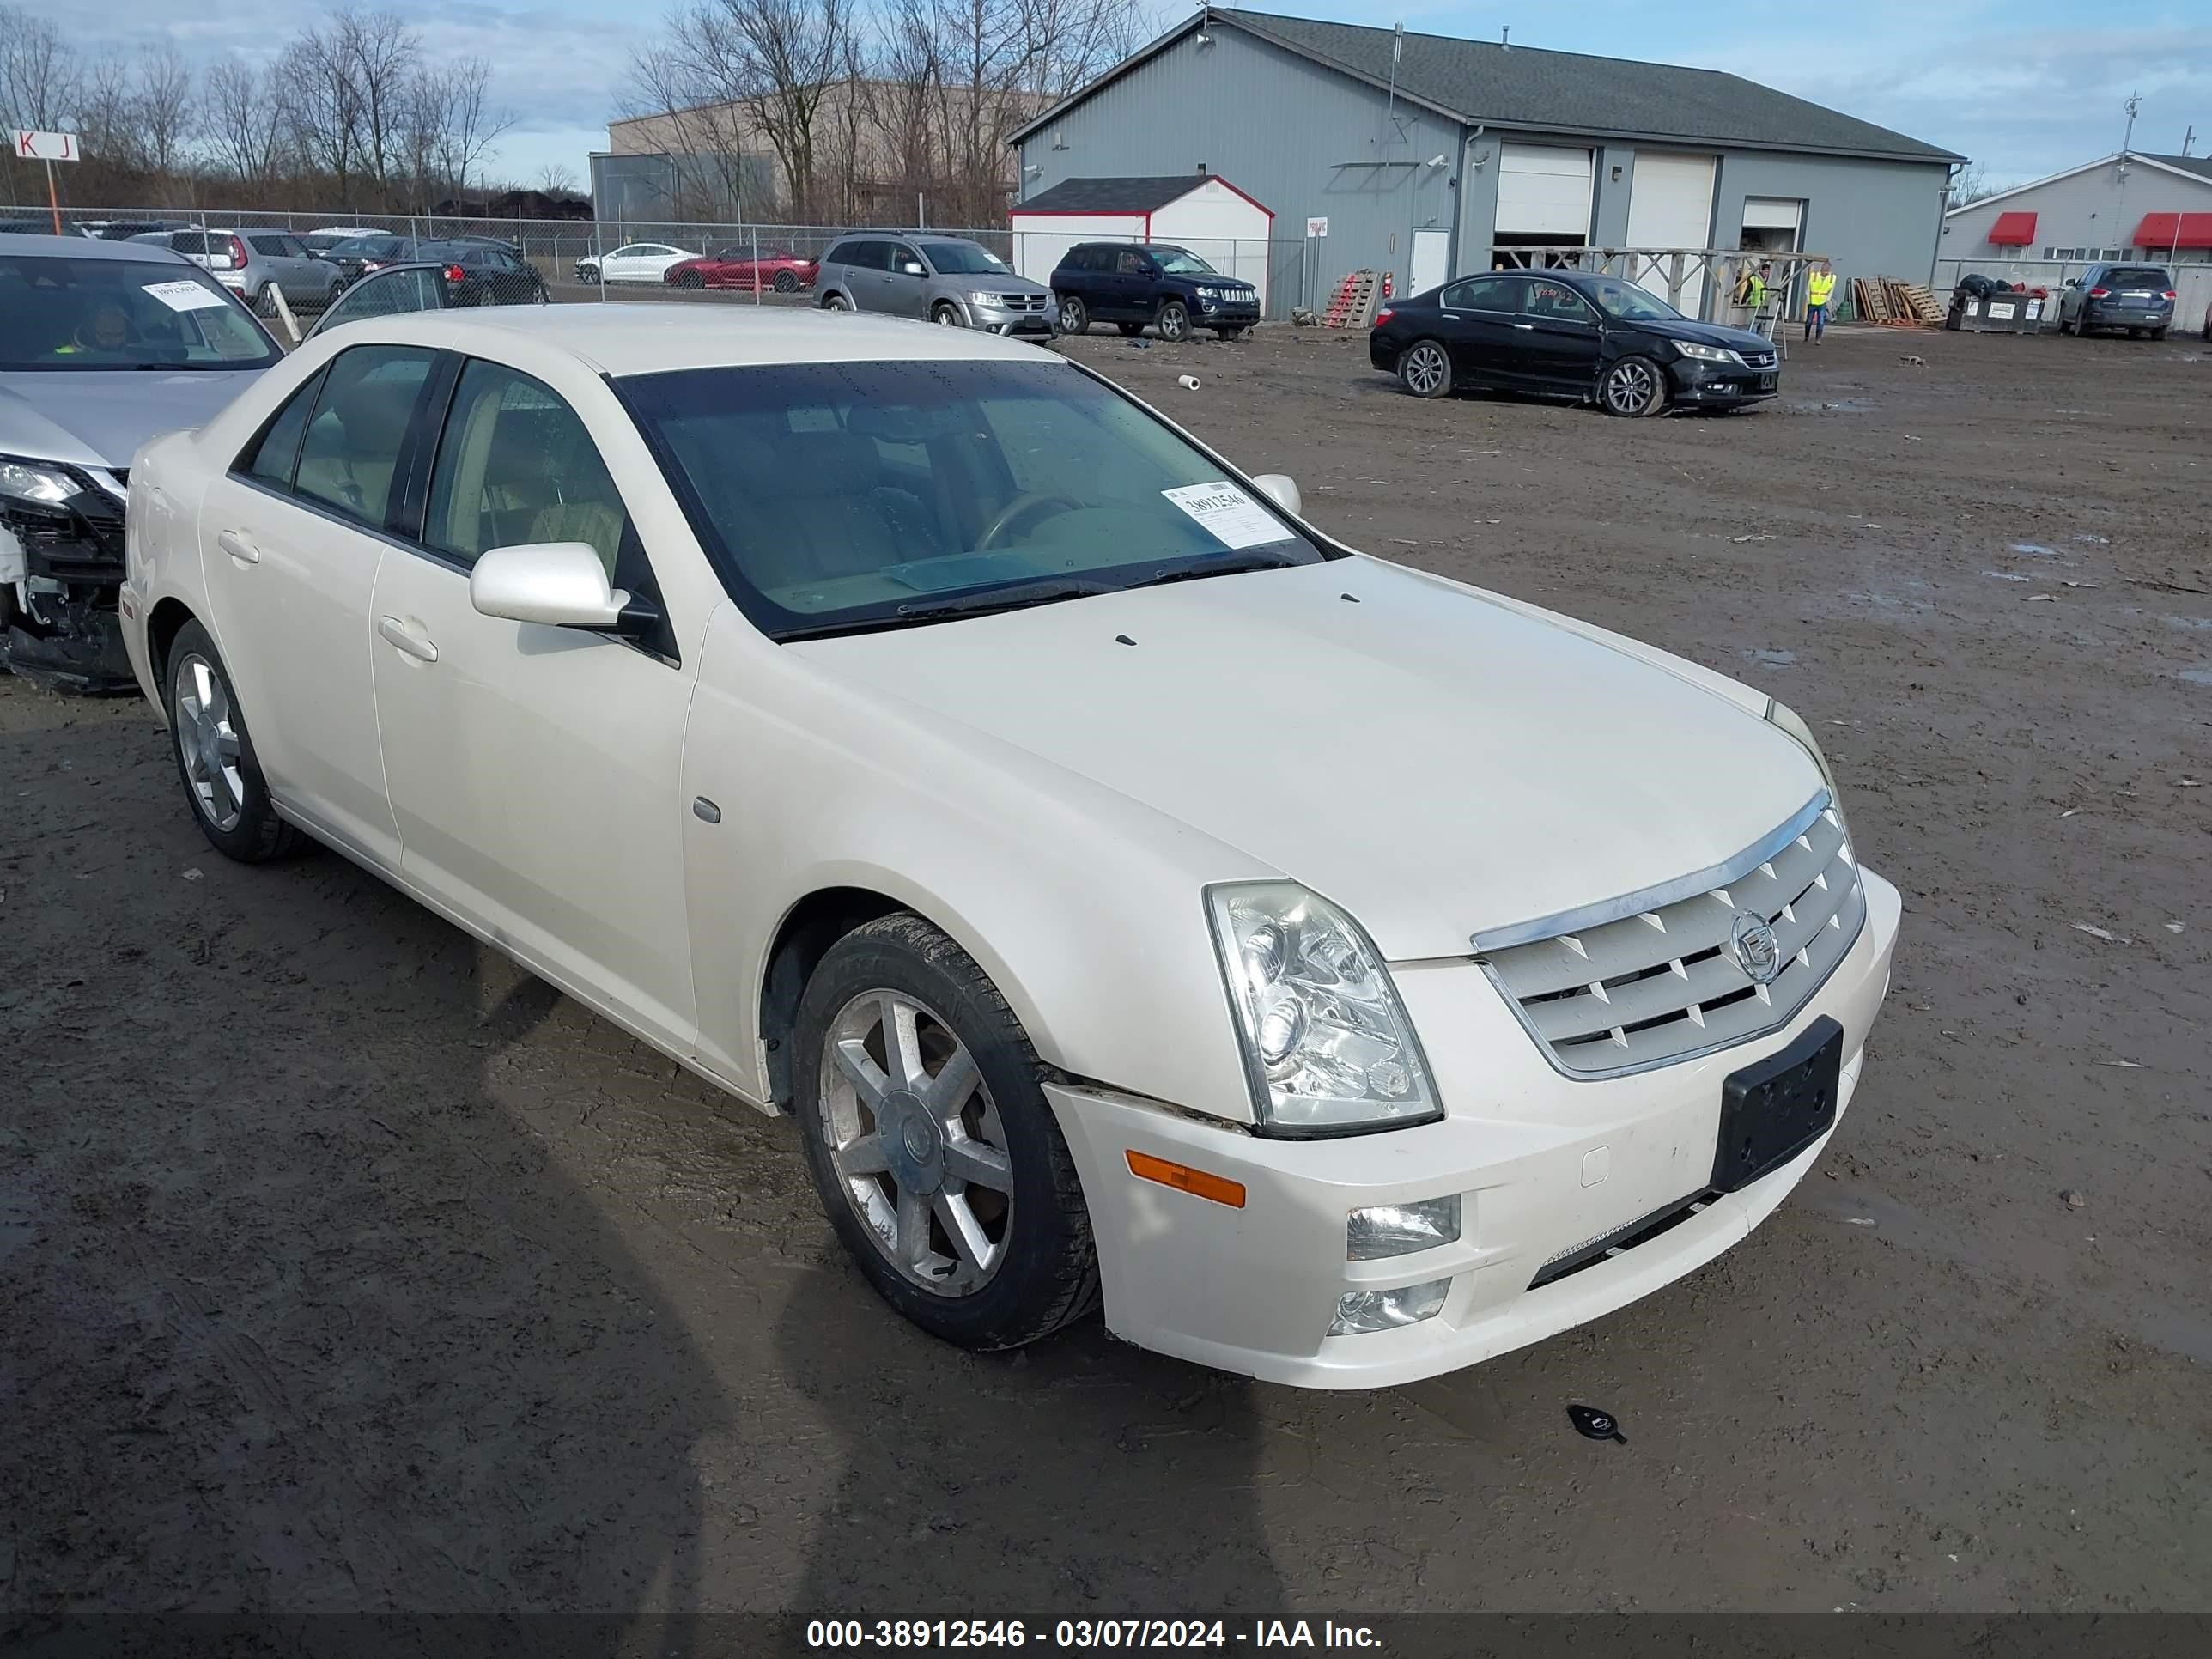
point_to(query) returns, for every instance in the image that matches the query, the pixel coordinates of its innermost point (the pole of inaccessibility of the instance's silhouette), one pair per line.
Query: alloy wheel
(208, 742)
(1631, 387)
(1426, 368)
(917, 1143)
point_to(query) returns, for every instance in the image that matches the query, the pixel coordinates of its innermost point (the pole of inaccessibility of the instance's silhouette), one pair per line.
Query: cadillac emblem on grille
(1753, 946)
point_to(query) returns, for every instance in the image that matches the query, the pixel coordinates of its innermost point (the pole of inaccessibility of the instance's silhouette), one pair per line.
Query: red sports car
(738, 267)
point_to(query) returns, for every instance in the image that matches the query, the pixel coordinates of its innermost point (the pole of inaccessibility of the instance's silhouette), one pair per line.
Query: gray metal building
(1429, 156)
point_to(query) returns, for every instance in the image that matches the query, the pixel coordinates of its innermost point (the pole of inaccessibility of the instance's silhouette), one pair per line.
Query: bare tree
(779, 57)
(1970, 185)
(704, 134)
(312, 82)
(107, 117)
(556, 178)
(458, 94)
(167, 114)
(246, 121)
(378, 54)
(40, 78)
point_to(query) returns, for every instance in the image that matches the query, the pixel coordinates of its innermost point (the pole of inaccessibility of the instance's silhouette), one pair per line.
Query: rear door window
(273, 246)
(349, 456)
(1484, 294)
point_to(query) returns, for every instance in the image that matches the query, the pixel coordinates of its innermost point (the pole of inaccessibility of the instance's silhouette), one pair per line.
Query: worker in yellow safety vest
(1819, 295)
(1750, 295)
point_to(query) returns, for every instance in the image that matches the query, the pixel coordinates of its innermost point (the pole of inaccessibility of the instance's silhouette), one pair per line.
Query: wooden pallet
(1352, 304)
(1889, 303)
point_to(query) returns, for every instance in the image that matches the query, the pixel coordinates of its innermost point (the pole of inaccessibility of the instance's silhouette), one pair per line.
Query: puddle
(1783, 659)
(2032, 550)
(2007, 575)
(2187, 622)
(1848, 406)
(2197, 676)
(1886, 601)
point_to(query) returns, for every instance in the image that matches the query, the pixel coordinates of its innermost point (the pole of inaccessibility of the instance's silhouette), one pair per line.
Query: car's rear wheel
(927, 1130)
(1174, 320)
(689, 279)
(1633, 387)
(786, 282)
(1424, 369)
(215, 754)
(1074, 315)
(836, 302)
(946, 314)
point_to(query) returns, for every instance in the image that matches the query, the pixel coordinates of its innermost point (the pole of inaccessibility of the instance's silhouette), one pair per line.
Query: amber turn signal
(1183, 1178)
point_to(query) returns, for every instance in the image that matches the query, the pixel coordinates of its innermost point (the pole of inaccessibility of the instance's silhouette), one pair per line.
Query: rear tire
(886, 1147)
(1633, 388)
(215, 754)
(1174, 321)
(1074, 315)
(836, 302)
(1424, 369)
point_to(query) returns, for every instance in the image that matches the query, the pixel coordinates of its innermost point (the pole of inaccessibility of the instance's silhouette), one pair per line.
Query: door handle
(406, 639)
(235, 543)
(1526, 328)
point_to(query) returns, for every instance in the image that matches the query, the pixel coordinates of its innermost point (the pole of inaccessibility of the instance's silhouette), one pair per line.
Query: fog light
(1386, 1311)
(1400, 1228)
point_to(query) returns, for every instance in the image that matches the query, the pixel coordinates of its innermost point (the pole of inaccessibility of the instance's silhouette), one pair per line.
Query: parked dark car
(357, 256)
(485, 273)
(1150, 284)
(2137, 298)
(423, 286)
(1596, 338)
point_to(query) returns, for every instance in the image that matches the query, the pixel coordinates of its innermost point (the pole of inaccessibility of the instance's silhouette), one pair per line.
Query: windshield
(1180, 262)
(1631, 304)
(122, 313)
(837, 497)
(962, 259)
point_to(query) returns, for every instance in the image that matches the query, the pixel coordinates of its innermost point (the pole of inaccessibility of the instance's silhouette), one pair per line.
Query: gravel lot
(345, 1266)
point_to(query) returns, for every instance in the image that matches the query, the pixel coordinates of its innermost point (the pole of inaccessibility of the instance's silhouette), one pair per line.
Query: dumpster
(2000, 310)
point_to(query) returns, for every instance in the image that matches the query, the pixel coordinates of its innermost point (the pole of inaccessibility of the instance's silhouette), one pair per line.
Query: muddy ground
(344, 1266)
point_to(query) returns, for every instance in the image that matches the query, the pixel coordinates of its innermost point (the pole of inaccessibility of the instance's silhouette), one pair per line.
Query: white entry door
(1670, 205)
(1431, 260)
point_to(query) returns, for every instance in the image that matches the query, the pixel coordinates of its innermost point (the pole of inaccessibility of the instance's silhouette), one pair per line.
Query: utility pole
(2135, 108)
(2188, 139)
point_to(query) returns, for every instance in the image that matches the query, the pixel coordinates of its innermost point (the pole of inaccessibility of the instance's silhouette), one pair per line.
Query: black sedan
(486, 273)
(357, 256)
(1596, 338)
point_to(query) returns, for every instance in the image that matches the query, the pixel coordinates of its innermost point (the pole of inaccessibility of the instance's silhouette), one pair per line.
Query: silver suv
(943, 279)
(246, 261)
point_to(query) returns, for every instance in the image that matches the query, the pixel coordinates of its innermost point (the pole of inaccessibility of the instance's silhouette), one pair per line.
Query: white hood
(1437, 764)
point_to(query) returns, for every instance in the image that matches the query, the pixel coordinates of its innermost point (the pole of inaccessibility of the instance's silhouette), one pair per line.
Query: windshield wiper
(1219, 567)
(1020, 597)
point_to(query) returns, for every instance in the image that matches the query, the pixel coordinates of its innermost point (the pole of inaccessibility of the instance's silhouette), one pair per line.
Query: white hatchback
(1345, 974)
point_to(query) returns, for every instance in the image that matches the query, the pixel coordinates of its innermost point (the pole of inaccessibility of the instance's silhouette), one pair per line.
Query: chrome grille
(1640, 985)
(1024, 301)
(1758, 359)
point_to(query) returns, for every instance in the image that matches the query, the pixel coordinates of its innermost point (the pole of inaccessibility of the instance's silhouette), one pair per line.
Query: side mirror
(559, 584)
(913, 268)
(1282, 489)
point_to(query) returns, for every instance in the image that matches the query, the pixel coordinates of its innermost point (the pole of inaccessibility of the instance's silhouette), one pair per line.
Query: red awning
(2012, 230)
(2173, 230)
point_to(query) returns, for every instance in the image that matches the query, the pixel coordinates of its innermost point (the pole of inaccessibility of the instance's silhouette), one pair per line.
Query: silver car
(103, 345)
(246, 261)
(943, 279)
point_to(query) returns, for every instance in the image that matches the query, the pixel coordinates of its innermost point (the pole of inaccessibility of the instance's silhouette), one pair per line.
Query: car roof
(624, 339)
(87, 247)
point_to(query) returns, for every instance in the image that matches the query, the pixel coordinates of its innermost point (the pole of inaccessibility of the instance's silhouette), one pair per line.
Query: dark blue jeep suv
(1133, 285)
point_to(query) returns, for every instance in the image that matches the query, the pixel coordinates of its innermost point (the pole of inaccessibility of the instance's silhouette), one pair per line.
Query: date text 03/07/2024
(1073, 1634)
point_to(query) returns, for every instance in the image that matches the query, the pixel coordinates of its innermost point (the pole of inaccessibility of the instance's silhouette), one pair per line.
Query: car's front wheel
(1074, 315)
(947, 315)
(690, 279)
(215, 754)
(786, 282)
(1174, 320)
(929, 1138)
(1424, 369)
(588, 274)
(1634, 387)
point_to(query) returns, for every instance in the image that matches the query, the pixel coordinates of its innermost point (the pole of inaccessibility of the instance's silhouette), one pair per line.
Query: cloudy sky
(2025, 87)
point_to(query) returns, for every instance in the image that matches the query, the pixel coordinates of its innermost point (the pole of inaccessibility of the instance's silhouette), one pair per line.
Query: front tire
(1424, 369)
(1074, 315)
(786, 282)
(215, 754)
(690, 279)
(1633, 388)
(588, 275)
(947, 315)
(927, 1130)
(1174, 321)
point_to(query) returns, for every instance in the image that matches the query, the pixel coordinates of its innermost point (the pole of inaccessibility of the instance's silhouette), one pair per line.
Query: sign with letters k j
(45, 146)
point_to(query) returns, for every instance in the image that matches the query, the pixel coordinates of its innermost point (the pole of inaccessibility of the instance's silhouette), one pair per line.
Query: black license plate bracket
(1773, 1111)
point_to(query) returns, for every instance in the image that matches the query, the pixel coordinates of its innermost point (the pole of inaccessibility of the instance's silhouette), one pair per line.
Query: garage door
(1543, 190)
(1670, 205)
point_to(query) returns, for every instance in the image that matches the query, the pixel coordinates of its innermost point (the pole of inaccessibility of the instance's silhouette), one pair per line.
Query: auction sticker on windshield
(1230, 516)
(184, 295)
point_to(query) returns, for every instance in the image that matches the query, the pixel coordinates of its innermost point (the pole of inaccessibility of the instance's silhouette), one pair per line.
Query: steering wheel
(1021, 508)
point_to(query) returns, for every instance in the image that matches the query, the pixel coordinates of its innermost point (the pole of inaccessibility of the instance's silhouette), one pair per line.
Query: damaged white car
(1343, 974)
(103, 345)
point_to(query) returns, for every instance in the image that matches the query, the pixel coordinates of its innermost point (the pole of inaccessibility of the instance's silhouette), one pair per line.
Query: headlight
(1785, 718)
(36, 481)
(1708, 354)
(992, 301)
(1328, 1047)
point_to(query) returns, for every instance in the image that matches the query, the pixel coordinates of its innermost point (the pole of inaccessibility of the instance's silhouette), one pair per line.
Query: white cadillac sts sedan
(1134, 896)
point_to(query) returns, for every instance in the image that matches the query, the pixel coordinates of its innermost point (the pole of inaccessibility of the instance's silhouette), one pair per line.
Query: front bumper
(1723, 385)
(1231, 313)
(997, 319)
(1544, 1164)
